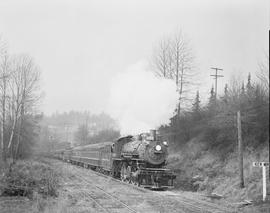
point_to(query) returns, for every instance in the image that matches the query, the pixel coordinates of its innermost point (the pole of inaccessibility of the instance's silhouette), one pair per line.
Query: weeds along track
(207, 205)
(201, 205)
(104, 200)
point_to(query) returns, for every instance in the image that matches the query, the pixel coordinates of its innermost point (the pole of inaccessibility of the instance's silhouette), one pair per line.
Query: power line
(216, 76)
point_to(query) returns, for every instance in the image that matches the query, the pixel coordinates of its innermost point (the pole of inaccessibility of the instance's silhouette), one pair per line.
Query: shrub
(26, 177)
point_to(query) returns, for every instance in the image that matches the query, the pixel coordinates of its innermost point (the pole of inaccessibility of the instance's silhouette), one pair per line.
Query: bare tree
(183, 62)
(173, 59)
(263, 73)
(24, 89)
(162, 59)
(3, 47)
(19, 95)
(3, 84)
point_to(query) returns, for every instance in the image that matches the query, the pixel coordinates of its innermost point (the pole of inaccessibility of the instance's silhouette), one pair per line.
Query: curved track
(108, 194)
(191, 204)
(114, 202)
(105, 201)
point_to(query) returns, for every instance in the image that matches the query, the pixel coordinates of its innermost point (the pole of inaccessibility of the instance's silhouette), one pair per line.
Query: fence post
(264, 181)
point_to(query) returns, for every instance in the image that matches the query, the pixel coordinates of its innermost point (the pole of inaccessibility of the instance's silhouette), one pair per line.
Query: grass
(29, 177)
(29, 186)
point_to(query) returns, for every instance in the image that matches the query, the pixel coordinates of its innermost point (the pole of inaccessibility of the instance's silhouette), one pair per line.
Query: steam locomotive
(138, 159)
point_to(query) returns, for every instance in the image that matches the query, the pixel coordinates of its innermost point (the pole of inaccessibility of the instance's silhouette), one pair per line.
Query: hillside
(200, 169)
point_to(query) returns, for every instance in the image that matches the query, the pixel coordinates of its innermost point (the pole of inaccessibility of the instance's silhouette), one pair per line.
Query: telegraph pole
(240, 150)
(216, 76)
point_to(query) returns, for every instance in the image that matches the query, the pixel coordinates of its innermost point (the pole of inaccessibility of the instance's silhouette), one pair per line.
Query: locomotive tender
(139, 160)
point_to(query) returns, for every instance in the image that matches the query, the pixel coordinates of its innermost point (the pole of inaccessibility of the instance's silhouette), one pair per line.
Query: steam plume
(140, 101)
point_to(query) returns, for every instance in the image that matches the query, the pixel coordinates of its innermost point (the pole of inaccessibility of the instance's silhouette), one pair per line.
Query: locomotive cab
(117, 146)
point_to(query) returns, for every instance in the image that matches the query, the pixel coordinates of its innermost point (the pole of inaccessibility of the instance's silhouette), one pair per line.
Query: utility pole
(216, 76)
(240, 150)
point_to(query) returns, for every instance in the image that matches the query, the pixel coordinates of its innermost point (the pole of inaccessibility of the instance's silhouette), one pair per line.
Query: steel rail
(91, 198)
(106, 193)
(205, 208)
(117, 180)
(194, 207)
(217, 208)
(206, 204)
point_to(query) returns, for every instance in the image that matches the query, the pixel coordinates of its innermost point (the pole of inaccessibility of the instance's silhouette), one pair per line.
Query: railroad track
(110, 203)
(194, 203)
(118, 180)
(104, 200)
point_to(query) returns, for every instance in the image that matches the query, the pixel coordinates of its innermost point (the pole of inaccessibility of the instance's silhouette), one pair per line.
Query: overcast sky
(80, 45)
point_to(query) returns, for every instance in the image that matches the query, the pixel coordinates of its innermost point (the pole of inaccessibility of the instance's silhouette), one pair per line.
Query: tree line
(75, 128)
(83, 136)
(75, 118)
(19, 95)
(215, 120)
(96, 128)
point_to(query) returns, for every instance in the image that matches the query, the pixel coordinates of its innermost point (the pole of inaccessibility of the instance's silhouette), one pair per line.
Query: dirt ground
(83, 190)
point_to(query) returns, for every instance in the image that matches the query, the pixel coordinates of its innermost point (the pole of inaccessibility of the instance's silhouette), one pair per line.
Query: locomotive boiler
(152, 151)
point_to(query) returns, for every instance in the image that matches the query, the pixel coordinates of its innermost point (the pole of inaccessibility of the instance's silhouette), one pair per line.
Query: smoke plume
(140, 101)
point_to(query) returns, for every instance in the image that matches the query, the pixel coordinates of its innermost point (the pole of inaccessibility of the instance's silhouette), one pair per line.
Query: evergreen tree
(249, 86)
(249, 89)
(243, 89)
(212, 107)
(226, 90)
(243, 98)
(212, 99)
(226, 94)
(196, 105)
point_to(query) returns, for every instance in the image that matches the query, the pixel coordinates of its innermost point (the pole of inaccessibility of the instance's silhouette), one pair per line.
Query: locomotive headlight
(165, 143)
(158, 147)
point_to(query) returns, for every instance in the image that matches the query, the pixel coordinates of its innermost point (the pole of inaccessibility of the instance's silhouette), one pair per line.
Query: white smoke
(140, 101)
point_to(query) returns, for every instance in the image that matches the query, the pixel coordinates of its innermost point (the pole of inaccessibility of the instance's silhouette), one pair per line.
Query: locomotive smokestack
(153, 133)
